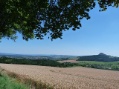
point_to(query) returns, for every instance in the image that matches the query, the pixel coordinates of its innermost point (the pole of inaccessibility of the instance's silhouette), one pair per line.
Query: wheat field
(68, 78)
(71, 61)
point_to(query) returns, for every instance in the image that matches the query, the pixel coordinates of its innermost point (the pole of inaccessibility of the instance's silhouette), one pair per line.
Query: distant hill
(39, 56)
(100, 57)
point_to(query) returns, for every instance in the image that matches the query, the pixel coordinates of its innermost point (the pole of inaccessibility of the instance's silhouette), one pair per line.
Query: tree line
(42, 62)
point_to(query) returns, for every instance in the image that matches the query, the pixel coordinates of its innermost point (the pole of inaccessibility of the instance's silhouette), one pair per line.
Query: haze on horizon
(98, 34)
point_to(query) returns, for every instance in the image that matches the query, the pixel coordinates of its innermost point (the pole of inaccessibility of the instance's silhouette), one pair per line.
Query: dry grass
(68, 78)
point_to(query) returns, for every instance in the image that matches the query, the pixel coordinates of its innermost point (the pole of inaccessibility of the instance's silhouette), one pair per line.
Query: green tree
(38, 18)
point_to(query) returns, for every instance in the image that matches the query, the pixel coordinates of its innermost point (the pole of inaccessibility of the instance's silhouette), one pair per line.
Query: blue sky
(99, 34)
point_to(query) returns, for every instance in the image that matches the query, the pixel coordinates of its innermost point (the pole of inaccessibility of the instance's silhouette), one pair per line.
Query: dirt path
(68, 78)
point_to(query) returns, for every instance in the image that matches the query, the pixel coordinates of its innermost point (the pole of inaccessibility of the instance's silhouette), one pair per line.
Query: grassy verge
(7, 82)
(32, 84)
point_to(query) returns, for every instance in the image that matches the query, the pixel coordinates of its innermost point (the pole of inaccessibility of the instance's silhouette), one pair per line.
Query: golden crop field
(68, 78)
(71, 61)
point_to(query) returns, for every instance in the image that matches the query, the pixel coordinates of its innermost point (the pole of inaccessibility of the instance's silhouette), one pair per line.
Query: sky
(98, 34)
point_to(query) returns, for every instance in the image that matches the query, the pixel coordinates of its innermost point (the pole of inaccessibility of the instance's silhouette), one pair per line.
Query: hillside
(100, 57)
(37, 56)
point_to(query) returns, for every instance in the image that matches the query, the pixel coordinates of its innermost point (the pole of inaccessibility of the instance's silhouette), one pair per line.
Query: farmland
(71, 61)
(7, 82)
(68, 78)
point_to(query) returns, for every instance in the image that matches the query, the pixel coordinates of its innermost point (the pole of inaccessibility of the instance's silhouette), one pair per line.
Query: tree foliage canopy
(38, 18)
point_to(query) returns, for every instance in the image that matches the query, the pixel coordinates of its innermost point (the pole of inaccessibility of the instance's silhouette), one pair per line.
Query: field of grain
(68, 78)
(71, 61)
